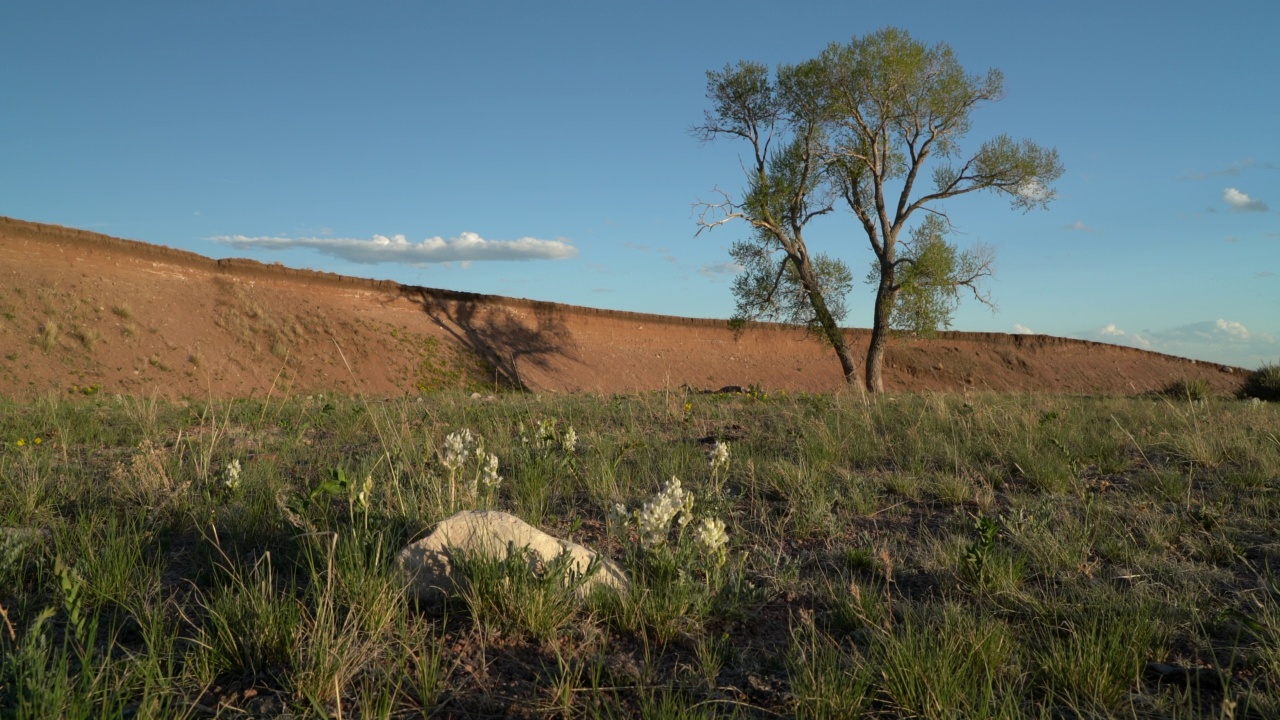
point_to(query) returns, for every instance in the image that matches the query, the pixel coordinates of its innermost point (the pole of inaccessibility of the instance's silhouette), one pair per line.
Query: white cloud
(1240, 202)
(1231, 328)
(1034, 190)
(1078, 226)
(1112, 334)
(1020, 329)
(1218, 331)
(1221, 340)
(467, 247)
(720, 269)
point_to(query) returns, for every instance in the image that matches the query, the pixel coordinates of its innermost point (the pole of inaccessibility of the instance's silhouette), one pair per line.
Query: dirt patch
(84, 313)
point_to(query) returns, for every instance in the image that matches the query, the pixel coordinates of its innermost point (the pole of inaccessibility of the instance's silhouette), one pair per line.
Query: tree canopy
(854, 128)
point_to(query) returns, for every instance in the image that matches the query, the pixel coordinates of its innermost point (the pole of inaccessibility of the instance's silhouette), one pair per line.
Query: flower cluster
(652, 523)
(712, 539)
(719, 457)
(231, 475)
(459, 448)
(654, 519)
(543, 436)
(489, 479)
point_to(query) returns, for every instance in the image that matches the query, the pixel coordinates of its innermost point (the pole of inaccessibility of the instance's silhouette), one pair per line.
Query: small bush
(48, 338)
(1263, 383)
(1193, 390)
(88, 337)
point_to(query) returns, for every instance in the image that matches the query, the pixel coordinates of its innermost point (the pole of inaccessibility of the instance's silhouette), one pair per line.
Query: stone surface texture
(429, 572)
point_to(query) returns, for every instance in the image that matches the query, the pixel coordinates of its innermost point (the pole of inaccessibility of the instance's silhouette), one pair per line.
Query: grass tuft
(1188, 390)
(48, 337)
(1263, 383)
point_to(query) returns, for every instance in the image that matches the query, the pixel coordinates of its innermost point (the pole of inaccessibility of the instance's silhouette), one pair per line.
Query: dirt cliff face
(83, 313)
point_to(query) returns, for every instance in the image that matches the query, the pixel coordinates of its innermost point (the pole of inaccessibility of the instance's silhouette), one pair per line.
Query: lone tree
(854, 128)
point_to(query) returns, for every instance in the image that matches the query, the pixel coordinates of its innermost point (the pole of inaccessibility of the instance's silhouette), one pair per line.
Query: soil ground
(82, 312)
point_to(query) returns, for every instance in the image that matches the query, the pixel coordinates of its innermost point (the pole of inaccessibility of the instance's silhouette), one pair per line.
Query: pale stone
(429, 573)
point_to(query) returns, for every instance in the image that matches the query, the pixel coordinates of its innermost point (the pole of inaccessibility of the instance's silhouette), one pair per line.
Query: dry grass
(896, 558)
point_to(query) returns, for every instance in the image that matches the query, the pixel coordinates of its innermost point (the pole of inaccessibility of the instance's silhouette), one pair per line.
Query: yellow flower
(21, 442)
(38, 440)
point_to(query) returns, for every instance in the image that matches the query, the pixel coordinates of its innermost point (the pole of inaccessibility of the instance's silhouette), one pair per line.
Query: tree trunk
(846, 360)
(885, 296)
(830, 330)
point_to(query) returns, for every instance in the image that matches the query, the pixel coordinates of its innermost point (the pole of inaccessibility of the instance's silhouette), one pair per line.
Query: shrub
(48, 338)
(1193, 389)
(1263, 383)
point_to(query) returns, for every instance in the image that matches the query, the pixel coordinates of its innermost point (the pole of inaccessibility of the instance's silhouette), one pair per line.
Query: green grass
(1263, 383)
(910, 557)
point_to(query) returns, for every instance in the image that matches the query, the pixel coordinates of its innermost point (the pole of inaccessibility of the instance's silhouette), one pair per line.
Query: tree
(929, 282)
(787, 187)
(856, 126)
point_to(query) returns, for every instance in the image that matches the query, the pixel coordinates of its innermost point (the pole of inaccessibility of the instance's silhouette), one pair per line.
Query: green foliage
(246, 628)
(929, 279)
(1263, 383)
(986, 532)
(828, 681)
(518, 595)
(771, 289)
(1092, 659)
(1190, 390)
(948, 662)
(858, 125)
(1035, 554)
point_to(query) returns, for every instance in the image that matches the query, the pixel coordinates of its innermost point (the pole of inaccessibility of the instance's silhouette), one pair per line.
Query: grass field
(916, 556)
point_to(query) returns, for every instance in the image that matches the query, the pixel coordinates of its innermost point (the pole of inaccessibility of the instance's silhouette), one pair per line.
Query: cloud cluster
(1240, 202)
(1110, 333)
(1020, 329)
(467, 247)
(1220, 340)
(1078, 226)
(719, 270)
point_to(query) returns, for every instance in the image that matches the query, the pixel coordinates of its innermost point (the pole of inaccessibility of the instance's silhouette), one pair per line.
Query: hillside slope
(80, 309)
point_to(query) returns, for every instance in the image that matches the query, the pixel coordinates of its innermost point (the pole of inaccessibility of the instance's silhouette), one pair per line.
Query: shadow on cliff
(488, 327)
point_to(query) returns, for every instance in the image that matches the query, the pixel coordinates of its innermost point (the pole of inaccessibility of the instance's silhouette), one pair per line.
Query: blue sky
(542, 150)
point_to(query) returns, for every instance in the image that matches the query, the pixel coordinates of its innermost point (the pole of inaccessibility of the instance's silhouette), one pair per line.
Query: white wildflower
(719, 456)
(619, 518)
(710, 536)
(231, 476)
(490, 479)
(457, 449)
(618, 514)
(654, 519)
(570, 442)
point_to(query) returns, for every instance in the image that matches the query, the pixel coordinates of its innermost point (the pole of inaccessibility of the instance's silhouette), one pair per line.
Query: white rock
(429, 573)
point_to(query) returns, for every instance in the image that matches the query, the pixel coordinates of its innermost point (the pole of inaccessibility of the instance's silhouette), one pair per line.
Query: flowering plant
(231, 475)
(482, 482)
(672, 507)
